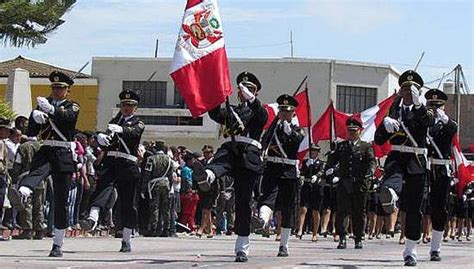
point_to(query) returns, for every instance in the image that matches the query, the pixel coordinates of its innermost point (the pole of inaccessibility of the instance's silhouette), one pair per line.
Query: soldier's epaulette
(75, 106)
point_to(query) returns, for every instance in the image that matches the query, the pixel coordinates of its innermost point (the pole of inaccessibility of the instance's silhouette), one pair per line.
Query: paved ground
(218, 252)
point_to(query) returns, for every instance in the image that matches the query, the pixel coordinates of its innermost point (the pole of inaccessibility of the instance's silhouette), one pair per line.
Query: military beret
(436, 97)
(315, 147)
(4, 123)
(249, 77)
(287, 102)
(410, 77)
(58, 78)
(353, 124)
(129, 96)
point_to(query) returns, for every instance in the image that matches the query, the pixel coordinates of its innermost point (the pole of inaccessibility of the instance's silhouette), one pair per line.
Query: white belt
(407, 149)
(246, 140)
(119, 154)
(281, 160)
(440, 161)
(56, 143)
(471, 199)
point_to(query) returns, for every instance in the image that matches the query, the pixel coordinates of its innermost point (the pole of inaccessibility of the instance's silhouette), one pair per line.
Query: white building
(353, 86)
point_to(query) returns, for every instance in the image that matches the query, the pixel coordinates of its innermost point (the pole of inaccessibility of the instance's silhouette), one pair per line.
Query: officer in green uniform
(31, 219)
(356, 161)
(157, 176)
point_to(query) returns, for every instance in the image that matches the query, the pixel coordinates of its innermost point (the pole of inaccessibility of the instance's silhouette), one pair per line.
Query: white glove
(464, 198)
(469, 191)
(248, 95)
(44, 105)
(103, 139)
(391, 125)
(441, 115)
(314, 179)
(286, 127)
(115, 128)
(454, 181)
(329, 172)
(335, 180)
(415, 96)
(39, 116)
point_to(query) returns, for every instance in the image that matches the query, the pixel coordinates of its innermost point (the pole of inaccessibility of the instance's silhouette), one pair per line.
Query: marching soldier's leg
(40, 169)
(99, 199)
(61, 186)
(391, 187)
(244, 181)
(343, 207)
(126, 185)
(412, 195)
(359, 201)
(286, 190)
(439, 213)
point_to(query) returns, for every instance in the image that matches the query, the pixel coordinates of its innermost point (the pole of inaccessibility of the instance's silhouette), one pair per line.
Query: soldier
(239, 156)
(31, 218)
(54, 120)
(311, 192)
(439, 149)
(406, 127)
(356, 161)
(156, 184)
(280, 177)
(119, 167)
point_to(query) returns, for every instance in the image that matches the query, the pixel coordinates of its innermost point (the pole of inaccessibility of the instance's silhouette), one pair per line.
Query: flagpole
(308, 113)
(299, 86)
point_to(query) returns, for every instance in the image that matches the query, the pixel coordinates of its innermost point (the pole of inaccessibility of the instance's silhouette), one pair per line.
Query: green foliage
(28, 22)
(6, 111)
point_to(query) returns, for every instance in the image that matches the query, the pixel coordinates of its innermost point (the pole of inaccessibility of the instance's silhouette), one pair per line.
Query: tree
(28, 22)
(6, 111)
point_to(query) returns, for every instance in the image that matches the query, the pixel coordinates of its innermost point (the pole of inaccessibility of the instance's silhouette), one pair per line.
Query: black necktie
(406, 110)
(120, 122)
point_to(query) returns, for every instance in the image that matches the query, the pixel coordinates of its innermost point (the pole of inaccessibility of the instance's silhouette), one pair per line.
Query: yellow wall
(85, 95)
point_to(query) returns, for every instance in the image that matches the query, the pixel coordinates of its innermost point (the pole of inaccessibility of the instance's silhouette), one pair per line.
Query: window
(152, 93)
(355, 99)
(172, 120)
(178, 99)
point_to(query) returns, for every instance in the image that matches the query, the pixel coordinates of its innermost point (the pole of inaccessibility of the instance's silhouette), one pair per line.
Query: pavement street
(217, 252)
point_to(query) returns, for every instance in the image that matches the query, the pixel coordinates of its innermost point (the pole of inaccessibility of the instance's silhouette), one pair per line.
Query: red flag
(465, 168)
(200, 69)
(322, 128)
(301, 118)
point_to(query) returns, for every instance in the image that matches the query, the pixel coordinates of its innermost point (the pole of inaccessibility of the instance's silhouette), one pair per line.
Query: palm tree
(6, 111)
(28, 22)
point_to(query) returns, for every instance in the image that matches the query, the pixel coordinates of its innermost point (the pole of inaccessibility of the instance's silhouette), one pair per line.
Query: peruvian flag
(301, 118)
(200, 69)
(333, 123)
(465, 168)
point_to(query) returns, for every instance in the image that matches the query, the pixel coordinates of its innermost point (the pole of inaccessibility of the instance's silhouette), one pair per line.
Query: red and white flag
(301, 118)
(464, 168)
(200, 69)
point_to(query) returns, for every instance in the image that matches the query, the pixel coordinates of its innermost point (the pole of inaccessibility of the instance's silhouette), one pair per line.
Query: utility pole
(156, 48)
(291, 43)
(457, 91)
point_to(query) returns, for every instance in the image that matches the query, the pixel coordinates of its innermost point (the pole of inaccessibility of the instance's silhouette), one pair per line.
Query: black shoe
(39, 235)
(229, 232)
(282, 252)
(200, 176)
(126, 247)
(88, 224)
(25, 235)
(16, 199)
(257, 223)
(410, 261)
(358, 244)
(173, 235)
(342, 243)
(241, 257)
(434, 256)
(56, 251)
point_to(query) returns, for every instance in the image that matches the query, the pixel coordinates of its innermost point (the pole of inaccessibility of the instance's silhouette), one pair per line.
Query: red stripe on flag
(204, 83)
(192, 3)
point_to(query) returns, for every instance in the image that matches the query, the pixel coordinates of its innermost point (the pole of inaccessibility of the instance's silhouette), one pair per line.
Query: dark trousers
(159, 220)
(439, 187)
(287, 189)
(123, 174)
(244, 164)
(61, 167)
(353, 204)
(228, 206)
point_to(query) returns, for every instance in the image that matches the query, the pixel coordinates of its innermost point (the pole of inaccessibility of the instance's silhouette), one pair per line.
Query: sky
(379, 31)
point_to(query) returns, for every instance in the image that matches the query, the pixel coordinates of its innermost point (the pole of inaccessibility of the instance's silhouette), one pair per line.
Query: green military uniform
(356, 167)
(157, 176)
(32, 217)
